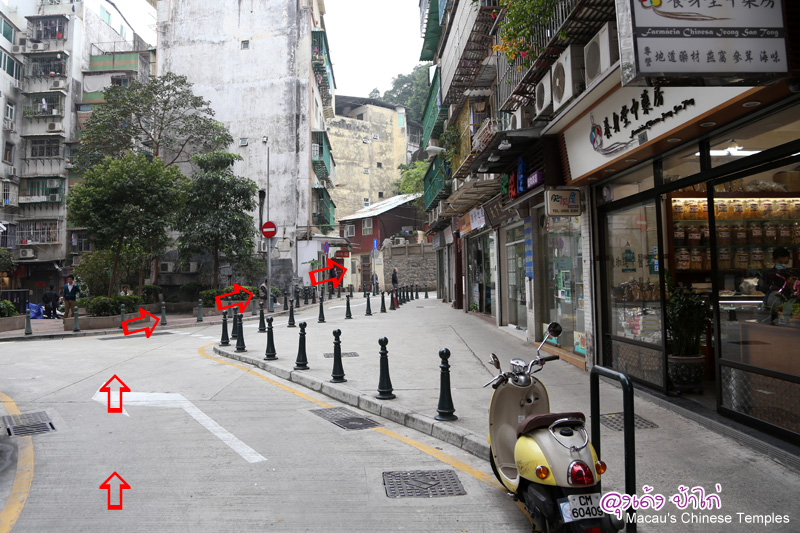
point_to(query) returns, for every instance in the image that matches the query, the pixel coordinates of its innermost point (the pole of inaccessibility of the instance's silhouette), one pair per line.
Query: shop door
(366, 272)
(515, 261)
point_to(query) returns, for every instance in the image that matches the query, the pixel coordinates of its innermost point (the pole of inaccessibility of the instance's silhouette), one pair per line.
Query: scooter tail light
(579, 473)
(600, 468)
(542, 472)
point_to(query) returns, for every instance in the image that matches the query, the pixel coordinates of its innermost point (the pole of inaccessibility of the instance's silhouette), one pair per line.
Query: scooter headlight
(579, 473)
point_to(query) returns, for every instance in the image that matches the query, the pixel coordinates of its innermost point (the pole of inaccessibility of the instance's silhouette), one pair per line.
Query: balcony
(430, 28)
(42, 191)
(435, 113)
(437, 183)
(574, 22)
(323, 72)
(39, 232)
(324, 209)
(9, 193)
(321, 158)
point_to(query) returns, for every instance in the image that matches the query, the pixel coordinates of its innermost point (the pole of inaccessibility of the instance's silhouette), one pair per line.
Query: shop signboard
(342, 253)
(717, 41)
(528, 248)
(562, 202)
(497, 215)
(448, 235)
(476, 218)
(437, 240)
(464, 225)
(632, 117)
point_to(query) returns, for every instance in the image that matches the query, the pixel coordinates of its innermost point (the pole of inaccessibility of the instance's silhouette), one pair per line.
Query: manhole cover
(422, 484)
(616, 421)
(344, 354)
(345, 418)
(115, 337)
(25, 424)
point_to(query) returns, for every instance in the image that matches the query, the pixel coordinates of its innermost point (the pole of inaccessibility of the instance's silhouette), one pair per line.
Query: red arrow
(147, 331)
(241, 305)
(331, 264)
(106, 388)
(122, 485)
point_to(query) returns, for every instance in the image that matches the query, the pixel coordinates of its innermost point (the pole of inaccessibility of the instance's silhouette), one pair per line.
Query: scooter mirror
(554, 329)
(495, 361)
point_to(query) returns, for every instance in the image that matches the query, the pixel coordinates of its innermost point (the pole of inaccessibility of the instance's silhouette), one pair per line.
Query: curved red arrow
(123, 485)
(122, 388)
(335, 281)
(147, 331)
(241, 305)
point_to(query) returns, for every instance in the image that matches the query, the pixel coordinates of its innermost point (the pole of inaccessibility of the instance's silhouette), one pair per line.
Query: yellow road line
(22, 479)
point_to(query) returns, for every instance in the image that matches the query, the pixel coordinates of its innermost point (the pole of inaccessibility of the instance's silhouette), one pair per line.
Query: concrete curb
(444, 431)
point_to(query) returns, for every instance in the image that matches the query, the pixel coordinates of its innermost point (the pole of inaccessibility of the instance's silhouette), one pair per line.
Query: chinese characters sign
(562, 203)
(708, 39)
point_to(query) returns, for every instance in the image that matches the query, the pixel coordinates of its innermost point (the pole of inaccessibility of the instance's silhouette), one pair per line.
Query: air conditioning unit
(243, 142)
(27, 253)
(58, 84)
(601, 52)
(55, 126)
(567, 73)
(53, 197)
(39, 46)
(544, 95)
(523, 117)
(398, 240)
(52, 184)
(17, 49)
(193, 266)
(12, 171)
(166, 267)
(9, 125)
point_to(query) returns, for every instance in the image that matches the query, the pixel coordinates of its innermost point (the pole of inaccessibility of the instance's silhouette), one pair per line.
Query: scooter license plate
(581, 507)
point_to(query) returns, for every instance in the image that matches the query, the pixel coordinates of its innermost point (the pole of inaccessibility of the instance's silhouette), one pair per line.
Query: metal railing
(436, 182)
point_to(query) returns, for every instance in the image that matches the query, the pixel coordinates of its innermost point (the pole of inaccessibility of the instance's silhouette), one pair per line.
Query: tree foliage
(94, 270)
(162, 117)
(215, 219)
(6, 260)
(412, 178)
(521, 20)
(129, 201)
(411, 91)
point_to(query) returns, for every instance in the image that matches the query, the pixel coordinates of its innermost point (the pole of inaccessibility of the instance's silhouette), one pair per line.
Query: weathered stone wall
(415, 264)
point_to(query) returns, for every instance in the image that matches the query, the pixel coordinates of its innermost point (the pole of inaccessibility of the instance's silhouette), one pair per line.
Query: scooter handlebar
(549, 358)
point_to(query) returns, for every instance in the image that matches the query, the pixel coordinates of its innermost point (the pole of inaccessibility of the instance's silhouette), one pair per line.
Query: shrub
(100, 306)
(132, 303)
(150, 294)
(7, 308)
(275, 292)
(209, 296)
(191, 291)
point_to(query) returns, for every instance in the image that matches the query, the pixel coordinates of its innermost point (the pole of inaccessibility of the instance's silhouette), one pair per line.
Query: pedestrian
(50, 300)
(263, 291)
(124, 291)
(374, 282)
(394, 279)
(71, 292)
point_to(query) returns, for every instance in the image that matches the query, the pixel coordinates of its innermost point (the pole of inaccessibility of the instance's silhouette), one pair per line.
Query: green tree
(411, 91)
(6, 260)
(375, 94)
(127, 201)
(412, 178)
(94, 270)
(522, 19)
(217, 199)
(162, 117)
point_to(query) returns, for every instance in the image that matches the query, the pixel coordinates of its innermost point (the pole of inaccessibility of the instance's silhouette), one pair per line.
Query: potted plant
(688, 316)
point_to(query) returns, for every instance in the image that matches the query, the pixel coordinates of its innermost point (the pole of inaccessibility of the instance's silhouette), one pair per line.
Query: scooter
(544, 459)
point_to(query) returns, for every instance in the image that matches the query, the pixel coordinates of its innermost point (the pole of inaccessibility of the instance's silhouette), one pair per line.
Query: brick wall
(415, 264)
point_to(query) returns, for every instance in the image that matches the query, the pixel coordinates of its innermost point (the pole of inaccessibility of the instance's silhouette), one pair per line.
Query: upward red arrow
(123, 485)
(122, 388)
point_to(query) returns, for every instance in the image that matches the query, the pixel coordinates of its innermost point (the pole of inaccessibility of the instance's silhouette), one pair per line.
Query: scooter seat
(543, 421)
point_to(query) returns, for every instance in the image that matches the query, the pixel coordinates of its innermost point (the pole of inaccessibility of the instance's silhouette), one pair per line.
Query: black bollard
(321, 313)
(235, 324)
(392, 302)
(339, 291)
(271, 355)
(322, 294)
(240, 347)
(369, 309)
(224, 341)
(305, 295)
(417, 287)
(314, 296)
(297, 298)
(383, 302)
(445, 408)
(426, 292)
(285, 302)
(262, 328)
(338, 369)
(384, 382)
(351, 291)
(291, 316)
(302, 359)
(348, 314)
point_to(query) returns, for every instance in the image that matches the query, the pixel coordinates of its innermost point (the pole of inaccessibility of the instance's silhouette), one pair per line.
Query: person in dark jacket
(50, 300)
(71, 292)
(394, 279)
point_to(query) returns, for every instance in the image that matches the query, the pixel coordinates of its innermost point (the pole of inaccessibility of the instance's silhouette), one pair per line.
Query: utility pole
(270, 308)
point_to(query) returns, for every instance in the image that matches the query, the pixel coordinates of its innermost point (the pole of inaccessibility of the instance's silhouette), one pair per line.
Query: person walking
(263, 292)
(50, 300)
(71, 292)
(394, 279)
(374, 283)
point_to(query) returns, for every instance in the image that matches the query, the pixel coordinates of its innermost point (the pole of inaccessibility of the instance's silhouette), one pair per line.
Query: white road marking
(172, 400)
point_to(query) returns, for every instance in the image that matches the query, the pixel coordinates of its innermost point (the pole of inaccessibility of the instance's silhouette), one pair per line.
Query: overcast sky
(371, 42)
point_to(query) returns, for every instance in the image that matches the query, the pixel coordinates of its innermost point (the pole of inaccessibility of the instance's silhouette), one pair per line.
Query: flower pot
(686, 373)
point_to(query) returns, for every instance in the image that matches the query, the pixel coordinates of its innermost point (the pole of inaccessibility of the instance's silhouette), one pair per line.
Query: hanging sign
(562, 202)
(448, 235)
(716, 41)
(476, 218)
(464, 225)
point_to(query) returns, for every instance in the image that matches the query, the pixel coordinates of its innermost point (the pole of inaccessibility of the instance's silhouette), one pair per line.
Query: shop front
(709, 206)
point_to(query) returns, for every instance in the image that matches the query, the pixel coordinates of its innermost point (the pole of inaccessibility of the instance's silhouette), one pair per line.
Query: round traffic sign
(269, 230)
(326, 248)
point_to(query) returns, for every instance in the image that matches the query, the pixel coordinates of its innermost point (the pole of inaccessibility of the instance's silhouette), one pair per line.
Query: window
(8, 31)
(366, 202)
(49, 28)
(49, 104)
(80, 242)
(44, 66)
(375, 136)
(11, 110)
(401, 118)
(380, 194)
(105, 15)
(8, 153)
(39, 232)
(380, 165)
(122, 81)
(245, 45)
(350, 230)
(10, 195)
(360, 116)
(8, 64)
(122, 30)
(366, 226)
(43, 148)
(366, 170)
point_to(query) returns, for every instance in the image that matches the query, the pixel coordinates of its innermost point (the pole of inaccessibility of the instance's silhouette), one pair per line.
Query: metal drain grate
(616, 421)
(345, 418)
(25, 424)
(117, 337)
(422, 484)
(344, 354)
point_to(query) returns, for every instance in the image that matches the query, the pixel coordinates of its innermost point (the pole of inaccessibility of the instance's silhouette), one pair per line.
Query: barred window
(80, 242)
(350, 230)
(41, 148)
(366, 226)
(39, 232)
(44, 66)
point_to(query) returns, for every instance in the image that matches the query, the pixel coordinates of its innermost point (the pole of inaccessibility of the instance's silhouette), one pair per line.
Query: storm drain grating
(616, 421)
(25, 424)
(345, 418)
(344, 354)
(422, 484)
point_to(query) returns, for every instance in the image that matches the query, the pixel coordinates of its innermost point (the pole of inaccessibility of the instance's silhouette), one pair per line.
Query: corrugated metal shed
(382, 207)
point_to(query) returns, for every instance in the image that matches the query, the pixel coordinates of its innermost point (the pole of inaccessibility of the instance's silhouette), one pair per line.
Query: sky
(371, 42)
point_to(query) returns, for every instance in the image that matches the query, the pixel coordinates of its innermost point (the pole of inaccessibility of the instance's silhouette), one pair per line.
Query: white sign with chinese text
(562, 202)
(476, 218)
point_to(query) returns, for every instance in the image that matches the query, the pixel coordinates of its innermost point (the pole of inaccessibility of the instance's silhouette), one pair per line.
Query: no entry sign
(269, 230)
